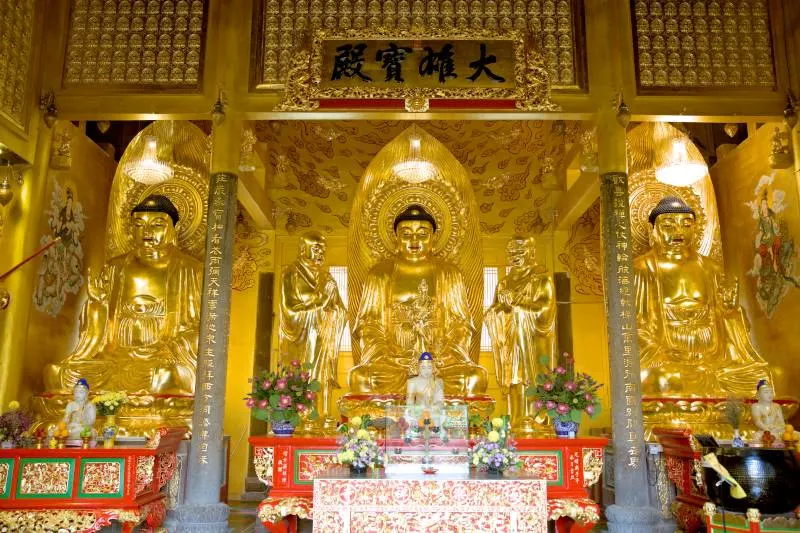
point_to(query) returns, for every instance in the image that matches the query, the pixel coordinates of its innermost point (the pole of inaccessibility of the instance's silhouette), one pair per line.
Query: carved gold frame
(304, 90)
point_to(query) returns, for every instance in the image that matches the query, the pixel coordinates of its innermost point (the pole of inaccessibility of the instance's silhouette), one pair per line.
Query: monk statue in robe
(312, 318)
(522, 326)
(139, 326)
(414, 302)
(693, 338)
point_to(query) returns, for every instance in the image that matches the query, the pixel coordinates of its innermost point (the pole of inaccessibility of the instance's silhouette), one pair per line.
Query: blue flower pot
(357, 471)
(565, 429)
(282, 428)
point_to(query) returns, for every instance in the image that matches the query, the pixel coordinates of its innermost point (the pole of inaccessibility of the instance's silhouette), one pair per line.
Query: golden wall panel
(555, 26)
(136, 43)
(16, 52)
(703, 44)
(759, 213)
(75, 208)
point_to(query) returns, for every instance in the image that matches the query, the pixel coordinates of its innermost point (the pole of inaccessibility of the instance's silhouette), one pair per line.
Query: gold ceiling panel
(555, 26)
(16, 38)
(136, 43)
(703, 44)
(314, 168)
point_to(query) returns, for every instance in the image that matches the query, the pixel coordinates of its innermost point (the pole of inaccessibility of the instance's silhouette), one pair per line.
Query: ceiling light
(674, 165)
(148, 169)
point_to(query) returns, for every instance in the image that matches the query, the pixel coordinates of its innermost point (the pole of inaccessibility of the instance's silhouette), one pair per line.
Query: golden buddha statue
(693, 337)
(413, 302)
(312, 318)
(139, 327)
(522, 326)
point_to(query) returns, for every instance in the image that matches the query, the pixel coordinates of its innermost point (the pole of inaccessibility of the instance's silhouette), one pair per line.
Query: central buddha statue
(693, 338)
(413, 302)
(139, 327)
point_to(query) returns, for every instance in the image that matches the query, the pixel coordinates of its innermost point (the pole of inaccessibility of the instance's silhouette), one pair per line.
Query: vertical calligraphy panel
(205, 469)
(621, 312)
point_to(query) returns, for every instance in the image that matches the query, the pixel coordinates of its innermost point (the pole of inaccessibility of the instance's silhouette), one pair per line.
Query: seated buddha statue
(693, 339)
(80, 412)
(411, 303)
(767, 415)
(139, 326)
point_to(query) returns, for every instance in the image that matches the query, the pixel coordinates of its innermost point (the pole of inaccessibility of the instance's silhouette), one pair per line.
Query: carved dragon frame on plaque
(417, 66)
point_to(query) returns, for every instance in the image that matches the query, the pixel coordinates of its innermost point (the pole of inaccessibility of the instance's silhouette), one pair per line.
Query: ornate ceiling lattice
(16, 37)
(555, 26)
(703, 44)
(136, 43)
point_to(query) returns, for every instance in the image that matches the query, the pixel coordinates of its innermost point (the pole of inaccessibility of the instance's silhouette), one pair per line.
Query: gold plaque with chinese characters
(471, 65)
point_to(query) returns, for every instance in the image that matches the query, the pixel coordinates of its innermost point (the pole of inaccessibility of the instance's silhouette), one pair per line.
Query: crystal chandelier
(414, 169)
(674, 164)
(148, 169)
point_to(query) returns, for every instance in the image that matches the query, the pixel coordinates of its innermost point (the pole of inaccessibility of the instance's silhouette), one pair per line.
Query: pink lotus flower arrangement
(285, 395)
(566, 395)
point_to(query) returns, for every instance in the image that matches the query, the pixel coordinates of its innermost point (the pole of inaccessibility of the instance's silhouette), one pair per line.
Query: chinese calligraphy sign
(390, 64)
(474, 64)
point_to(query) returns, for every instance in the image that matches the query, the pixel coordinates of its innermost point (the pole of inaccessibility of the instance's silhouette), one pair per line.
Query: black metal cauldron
(769, 476)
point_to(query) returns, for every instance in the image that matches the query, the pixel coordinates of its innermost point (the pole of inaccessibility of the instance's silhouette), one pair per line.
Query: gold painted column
(203, 511)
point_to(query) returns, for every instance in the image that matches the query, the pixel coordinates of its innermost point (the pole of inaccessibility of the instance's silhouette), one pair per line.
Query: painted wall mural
(60, 272)
(775, 254)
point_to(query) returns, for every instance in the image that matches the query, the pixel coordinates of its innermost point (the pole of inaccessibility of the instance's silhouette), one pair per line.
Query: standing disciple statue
(693, 338)
(411, 303)
(139, 327)
(312, 317)
(521, 324)
(80, 412)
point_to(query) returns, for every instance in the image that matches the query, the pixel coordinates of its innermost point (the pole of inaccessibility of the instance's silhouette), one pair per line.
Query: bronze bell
(6, 194)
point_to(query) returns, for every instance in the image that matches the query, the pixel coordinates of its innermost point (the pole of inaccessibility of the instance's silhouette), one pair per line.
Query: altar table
(289, 466)
(85, 489)
(442, 503)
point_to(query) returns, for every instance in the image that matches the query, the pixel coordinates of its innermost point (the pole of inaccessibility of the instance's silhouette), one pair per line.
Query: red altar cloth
(424, 503)
(84, 490)
(289, 465)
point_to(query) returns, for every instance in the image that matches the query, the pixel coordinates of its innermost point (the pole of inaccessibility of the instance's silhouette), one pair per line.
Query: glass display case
(426, 439)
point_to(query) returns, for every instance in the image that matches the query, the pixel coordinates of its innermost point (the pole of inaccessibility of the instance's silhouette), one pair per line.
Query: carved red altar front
(288, 467)
(85, 489)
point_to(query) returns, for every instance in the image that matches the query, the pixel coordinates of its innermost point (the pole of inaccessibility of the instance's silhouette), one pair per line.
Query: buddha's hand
(97, 285)
(729, 291)
(506, 297)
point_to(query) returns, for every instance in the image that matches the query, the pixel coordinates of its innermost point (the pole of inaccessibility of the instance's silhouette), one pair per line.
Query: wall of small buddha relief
(136, 43)
(706, 44)
(77, 192)
(760, 218)
(17, 29)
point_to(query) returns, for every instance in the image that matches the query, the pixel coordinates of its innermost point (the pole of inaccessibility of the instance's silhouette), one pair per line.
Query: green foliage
(287, 394)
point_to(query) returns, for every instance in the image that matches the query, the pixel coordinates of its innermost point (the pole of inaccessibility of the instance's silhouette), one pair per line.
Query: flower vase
(86, 442)
(282, 428)
(565, 429)
(494, 472)
(357, 470)
(110, 431)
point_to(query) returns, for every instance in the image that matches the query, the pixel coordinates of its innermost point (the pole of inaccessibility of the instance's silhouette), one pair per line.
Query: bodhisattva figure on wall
(521, 324)
(139, 327)
(413, 302)
(313, 318)
(693, 338)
